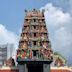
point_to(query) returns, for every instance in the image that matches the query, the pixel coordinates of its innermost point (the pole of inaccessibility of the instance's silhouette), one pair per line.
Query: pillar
(46, 68)
(22, 68)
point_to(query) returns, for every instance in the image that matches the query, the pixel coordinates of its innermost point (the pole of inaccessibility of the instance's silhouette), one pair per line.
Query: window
(40, 44)
(34, 27)
(34, 53)
(34, 34)
(42, 20)
(26, 19)
(34, 20)
(34, 43)
(24, 27)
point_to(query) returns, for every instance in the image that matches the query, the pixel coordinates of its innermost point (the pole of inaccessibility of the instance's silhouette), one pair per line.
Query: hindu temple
(34, 53)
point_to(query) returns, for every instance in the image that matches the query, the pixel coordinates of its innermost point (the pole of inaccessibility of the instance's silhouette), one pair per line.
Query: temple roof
(58, 55)
(34, 12)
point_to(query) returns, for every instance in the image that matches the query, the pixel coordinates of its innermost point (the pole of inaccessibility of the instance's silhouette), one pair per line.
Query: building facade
(3, 55)
(5, 52)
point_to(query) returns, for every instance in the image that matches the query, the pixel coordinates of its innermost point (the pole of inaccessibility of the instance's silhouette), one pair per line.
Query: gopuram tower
(34, 53)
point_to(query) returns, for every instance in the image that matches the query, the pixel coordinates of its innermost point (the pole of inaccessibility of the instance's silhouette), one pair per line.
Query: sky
(58, 17)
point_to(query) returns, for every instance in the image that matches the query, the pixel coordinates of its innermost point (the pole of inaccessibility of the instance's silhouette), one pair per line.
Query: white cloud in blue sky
(59, 26)
(64, 4)
(8, 37)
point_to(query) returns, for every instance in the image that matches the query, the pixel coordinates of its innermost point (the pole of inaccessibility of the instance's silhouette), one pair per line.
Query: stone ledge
(8, 68)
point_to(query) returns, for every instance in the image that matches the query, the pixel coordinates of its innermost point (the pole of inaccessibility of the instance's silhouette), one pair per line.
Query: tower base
(34, 67)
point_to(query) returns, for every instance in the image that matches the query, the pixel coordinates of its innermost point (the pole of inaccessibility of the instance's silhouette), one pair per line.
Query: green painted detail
(56, 55)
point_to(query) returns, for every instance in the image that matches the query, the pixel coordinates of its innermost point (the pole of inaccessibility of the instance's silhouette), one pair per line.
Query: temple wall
(61, 69)
(8, 69)
(53, 69)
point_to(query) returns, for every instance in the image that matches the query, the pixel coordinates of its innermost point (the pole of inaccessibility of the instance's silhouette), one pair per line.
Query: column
(22, 68)
(46, 68)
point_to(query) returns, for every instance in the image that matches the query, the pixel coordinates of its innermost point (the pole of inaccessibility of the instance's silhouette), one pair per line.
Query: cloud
(66, 5)
(8, 37)
(60, 30)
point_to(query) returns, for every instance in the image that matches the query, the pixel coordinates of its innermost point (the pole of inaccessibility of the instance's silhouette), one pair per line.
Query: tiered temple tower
(34, 53)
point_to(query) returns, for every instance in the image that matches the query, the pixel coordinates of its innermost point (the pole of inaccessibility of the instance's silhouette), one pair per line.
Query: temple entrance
(35, 67)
